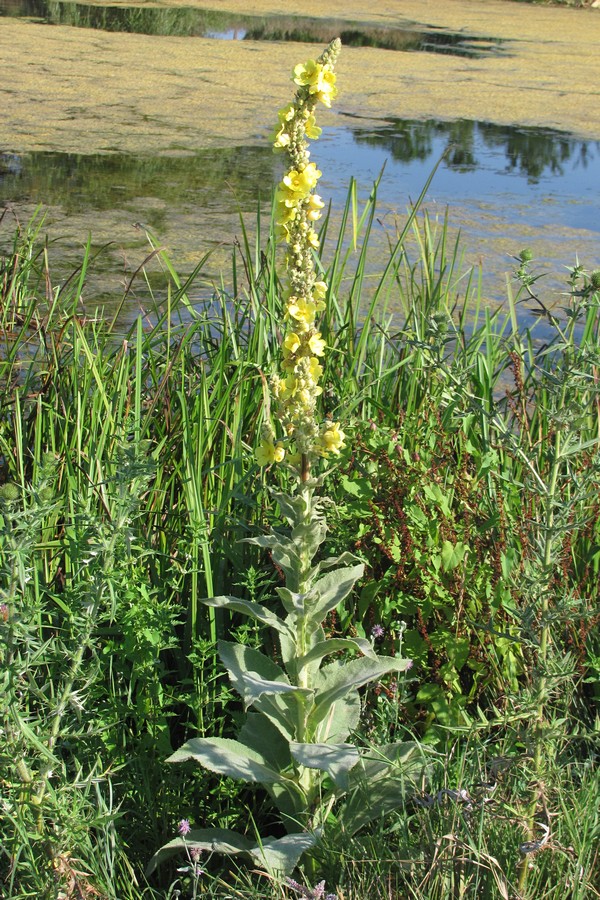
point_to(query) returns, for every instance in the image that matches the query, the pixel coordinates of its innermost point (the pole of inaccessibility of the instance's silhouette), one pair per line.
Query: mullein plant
(303, 706)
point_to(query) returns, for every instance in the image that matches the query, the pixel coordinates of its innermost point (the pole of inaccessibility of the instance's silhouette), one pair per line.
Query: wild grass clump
(468, 488)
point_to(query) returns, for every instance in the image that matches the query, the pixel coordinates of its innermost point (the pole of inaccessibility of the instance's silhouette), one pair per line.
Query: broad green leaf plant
(303, 706)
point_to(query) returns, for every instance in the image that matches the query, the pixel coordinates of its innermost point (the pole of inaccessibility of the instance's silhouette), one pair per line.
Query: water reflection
(77, 183)
(531, 152)
(506, 188)
(191, 22)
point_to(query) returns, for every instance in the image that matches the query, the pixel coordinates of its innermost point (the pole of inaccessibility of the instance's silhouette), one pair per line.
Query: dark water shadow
(192, 22)
(533, 153)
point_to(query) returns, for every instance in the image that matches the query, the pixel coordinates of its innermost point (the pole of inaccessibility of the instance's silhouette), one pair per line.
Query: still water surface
(507, 187)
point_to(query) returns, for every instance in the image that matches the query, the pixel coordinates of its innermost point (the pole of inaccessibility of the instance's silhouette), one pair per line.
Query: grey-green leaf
(339, 678)
(227, 757)
(254, 610)
(331, 589)
(281, 855)
(335, 759)
(334, 645)
(217, 840)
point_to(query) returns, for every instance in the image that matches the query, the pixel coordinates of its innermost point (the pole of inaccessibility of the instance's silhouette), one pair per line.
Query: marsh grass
(127, 482)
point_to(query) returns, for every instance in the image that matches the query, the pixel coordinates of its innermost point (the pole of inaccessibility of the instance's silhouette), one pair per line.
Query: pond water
(507, 187)
(213, 23)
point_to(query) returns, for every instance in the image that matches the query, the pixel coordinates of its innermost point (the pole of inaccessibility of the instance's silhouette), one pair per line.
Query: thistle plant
(303, 705)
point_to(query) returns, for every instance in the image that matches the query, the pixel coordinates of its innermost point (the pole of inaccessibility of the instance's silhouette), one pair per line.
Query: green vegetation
(464, 535)
(471, 495)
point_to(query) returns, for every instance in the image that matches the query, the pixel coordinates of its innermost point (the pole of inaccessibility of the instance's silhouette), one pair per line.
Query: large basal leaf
(280, 856)
(340, 677)
(254, 610)
(382, 782)
(261, 735)
(227, 757)
(215, 840)
(335, 759)
(262, 683)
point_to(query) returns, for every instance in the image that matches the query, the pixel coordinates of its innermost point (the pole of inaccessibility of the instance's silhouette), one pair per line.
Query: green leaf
(452, 554)
(227, 757)
(254, 674)
(381, 783)
(217, 840)
(254, 610)
(331, 590)
(280, 856)
(340, 678)
(335, 759)
(334, 645)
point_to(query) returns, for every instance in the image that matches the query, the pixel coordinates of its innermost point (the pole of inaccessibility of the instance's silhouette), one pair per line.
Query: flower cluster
(298, 208)
(316, 893)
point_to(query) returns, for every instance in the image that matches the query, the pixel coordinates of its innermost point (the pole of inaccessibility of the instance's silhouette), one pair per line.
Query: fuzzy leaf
(333, 645)
(381, 784)
(309, 537)
(217, 840)
(227, 757)
(345, 559)
(341, 720)
(280, 856)
(262, 683)
(330, 590)
(254, 610)
(340, 677)
(335, 759)
(254, 674)
(284, 554)
(261, 735)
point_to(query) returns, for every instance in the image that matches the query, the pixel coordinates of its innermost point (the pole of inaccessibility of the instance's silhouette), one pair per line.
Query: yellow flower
(332, 439)
(302, 182)
(287, 113)
(268, 452)
(326, 90)
(291, 342)
(312, 129)
(316, 369)
(280, 138)
(320, 290)
(313, 239)
(317, 346)
(315, 205)
(307, 73)
(302, 310)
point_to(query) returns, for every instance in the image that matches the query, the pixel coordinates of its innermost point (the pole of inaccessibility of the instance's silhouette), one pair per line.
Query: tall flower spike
(297, 208)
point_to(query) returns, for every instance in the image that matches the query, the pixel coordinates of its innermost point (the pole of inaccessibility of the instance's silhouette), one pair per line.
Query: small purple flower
(316, 893)
(184, 827)
(377, 631)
